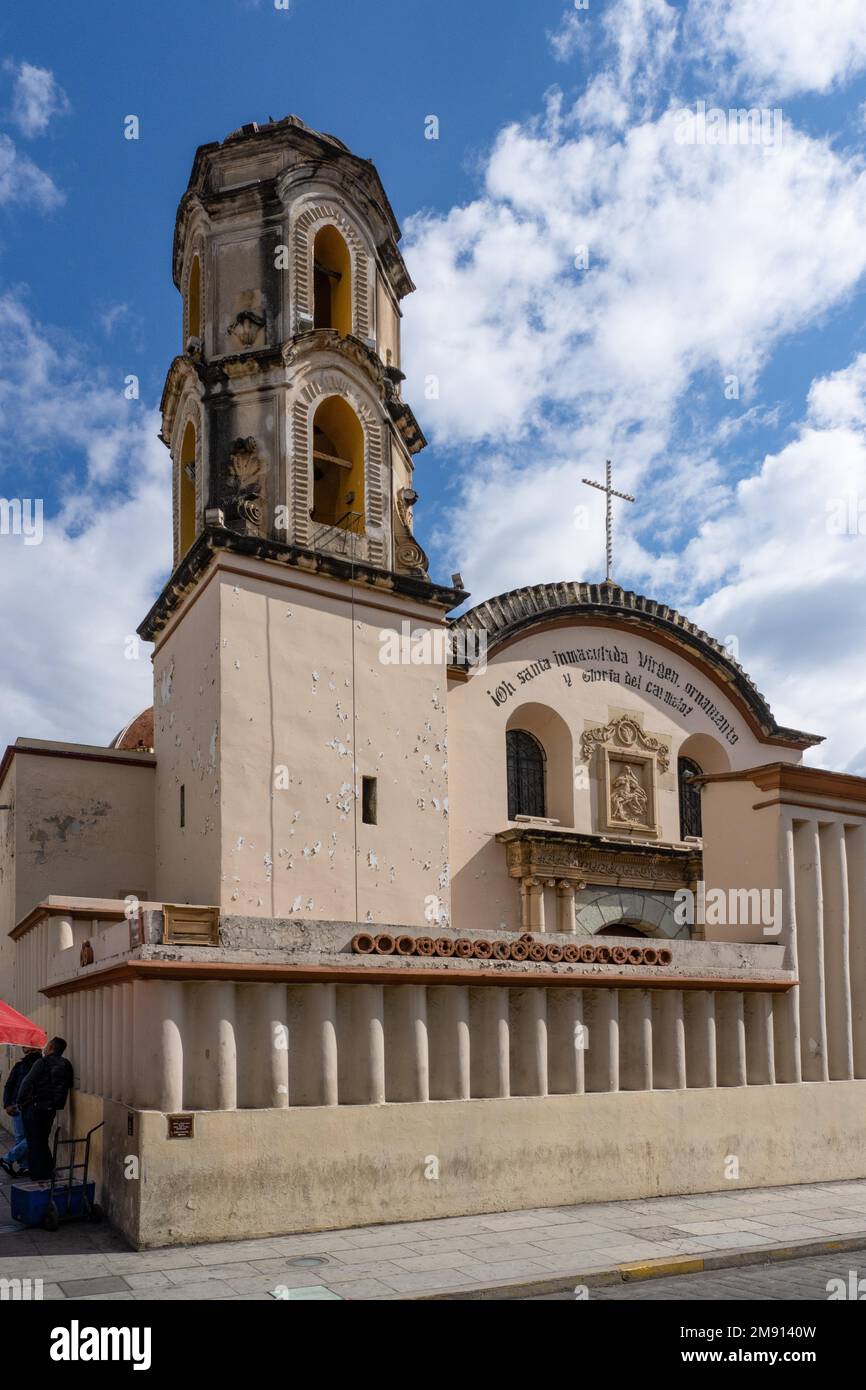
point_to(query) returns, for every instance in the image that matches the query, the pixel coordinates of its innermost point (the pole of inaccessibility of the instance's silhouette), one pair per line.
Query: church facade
(382, 913)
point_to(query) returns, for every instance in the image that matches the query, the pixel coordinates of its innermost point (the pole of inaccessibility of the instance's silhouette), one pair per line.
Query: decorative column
(602, 1006)
(565, 917)
(361, 1052)
(731, 1038)
(407, 1064)
(325, 1011)
(856, 854)
(532, 904)
(786, 1007)
(117, 1002)
(837, 947)
(448, 1013)
(226, 1046)
(700, 1020)
(568, 1039)
(760, 1050)
(316, 1018)
(158, 1044)
(669, 1040)
(489, 1053)
(529, 1041)
(128, 1089)
(274, 1002)
(810, 951)
(106, 1077)
(635, 1040)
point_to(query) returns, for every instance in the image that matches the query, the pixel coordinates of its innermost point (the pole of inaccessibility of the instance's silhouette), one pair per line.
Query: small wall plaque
(181, 1126)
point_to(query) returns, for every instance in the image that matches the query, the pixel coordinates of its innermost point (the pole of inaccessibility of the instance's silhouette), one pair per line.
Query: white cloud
(68, 605)
(22, 181)
(702, 260)
(36, 98)
(775, 50)
(572, 36)
(786, 46)
(787, 558)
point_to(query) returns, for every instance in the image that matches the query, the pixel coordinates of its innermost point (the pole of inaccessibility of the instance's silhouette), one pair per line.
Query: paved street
(791, 1279)
(448, 1257)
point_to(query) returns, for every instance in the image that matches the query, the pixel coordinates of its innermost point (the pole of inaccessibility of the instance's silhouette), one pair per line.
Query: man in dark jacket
(18, 1152)
(41, 1094)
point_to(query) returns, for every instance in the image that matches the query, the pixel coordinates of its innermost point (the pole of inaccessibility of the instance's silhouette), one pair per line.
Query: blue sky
(557, 130)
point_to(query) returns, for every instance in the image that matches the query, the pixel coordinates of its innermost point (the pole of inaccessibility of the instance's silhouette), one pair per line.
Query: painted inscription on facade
(642, 672)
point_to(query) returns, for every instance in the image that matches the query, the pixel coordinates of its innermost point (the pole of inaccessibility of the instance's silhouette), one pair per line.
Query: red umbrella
(15, 1028)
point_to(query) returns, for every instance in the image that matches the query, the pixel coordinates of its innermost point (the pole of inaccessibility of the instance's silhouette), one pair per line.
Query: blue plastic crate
(29, 1200)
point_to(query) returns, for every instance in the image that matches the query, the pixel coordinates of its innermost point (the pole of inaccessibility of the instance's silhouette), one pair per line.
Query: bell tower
(284, 414)
(301, 765)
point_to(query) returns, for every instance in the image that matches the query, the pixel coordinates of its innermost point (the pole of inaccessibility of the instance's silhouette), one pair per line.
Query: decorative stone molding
(195, 249)
(189, 412)
(510, 615)
(371, 546)
(630, 760)
(243, 487)
(246, 327)
(626, 733)
(581, 859)
(307, 224)
(408, 554)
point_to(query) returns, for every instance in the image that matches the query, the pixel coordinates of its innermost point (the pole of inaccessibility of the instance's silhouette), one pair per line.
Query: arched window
(525, 757)
(338, 466)
(332, 282)
(186, 498)
(193, 303)
(690, 798)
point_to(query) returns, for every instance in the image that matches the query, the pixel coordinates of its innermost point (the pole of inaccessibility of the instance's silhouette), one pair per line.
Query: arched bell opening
(338, 466)
(332, 282)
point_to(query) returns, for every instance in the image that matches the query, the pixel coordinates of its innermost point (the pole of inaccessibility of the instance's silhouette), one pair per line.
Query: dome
(137, 737)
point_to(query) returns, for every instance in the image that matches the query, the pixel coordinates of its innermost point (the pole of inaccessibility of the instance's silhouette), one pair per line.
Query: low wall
(262, 1172)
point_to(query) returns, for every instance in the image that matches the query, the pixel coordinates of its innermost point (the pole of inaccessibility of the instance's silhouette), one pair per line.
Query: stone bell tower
(292, 464)
(284, 411)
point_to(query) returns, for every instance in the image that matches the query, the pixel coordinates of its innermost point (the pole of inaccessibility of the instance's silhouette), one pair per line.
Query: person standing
(18, 1152)
(42, 1093)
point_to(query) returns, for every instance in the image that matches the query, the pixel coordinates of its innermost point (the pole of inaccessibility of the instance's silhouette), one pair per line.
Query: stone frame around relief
(647, 763)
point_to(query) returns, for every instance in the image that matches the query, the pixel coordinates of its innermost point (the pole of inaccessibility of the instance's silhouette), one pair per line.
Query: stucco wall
(80, 828)
(558, 704)
(186, 741)
(7, 882)
(256, 1173)
(302, 685)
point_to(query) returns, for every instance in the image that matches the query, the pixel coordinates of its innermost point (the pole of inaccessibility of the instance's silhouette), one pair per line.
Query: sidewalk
(503, 1254)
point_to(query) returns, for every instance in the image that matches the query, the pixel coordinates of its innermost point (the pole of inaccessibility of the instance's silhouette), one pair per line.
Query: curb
(649, 1269)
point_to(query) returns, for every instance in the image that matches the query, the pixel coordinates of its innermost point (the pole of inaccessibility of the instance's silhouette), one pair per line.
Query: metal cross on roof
(608, 488)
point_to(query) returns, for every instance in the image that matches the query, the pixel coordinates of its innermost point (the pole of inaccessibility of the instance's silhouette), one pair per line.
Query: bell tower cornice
(260, 167)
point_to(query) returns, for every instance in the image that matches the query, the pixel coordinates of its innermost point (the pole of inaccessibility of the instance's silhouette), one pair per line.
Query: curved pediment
(509, 617)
